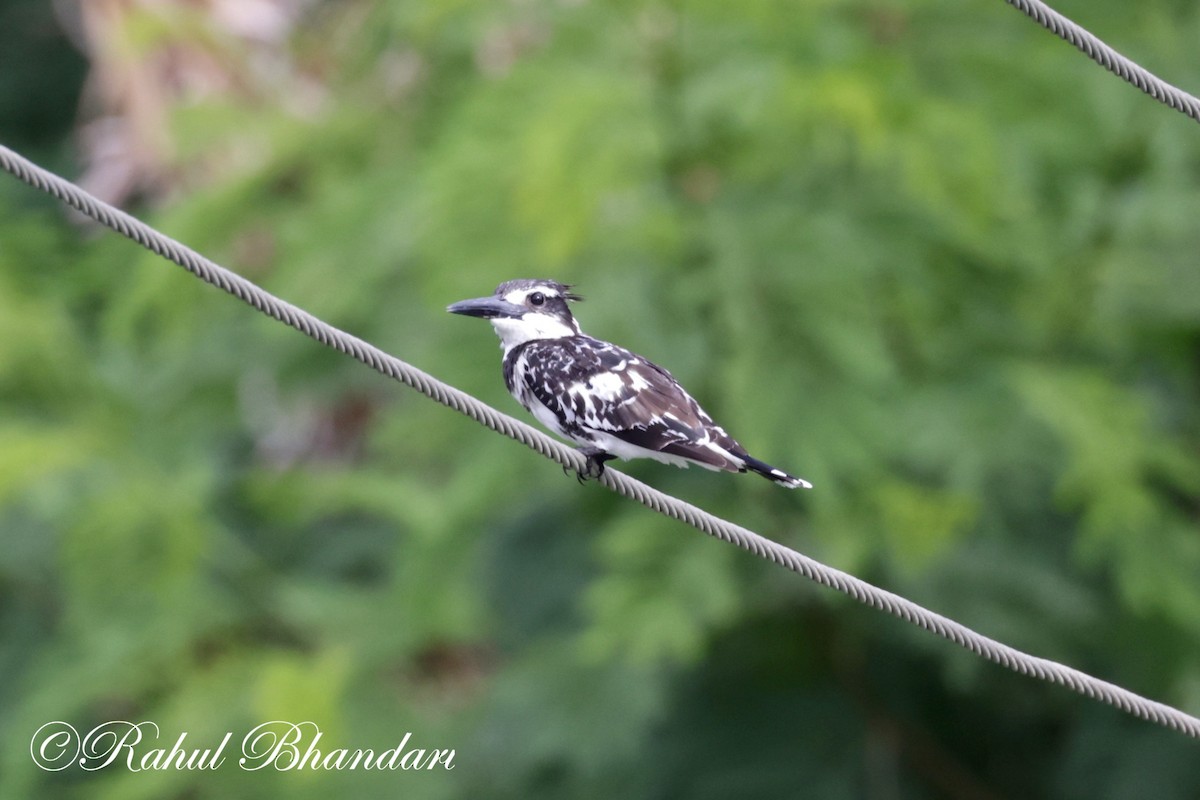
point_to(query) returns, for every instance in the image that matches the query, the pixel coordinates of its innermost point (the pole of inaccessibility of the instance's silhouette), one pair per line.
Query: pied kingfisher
(613, 403)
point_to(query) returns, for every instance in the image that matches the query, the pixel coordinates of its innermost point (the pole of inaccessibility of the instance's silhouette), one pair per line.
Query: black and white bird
(611, 402)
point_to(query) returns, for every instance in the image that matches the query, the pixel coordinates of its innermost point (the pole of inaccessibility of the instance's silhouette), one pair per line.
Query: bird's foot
(594, 468)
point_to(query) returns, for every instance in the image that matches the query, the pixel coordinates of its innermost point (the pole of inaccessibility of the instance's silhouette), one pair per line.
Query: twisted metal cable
(1107, 57)
(566, 456)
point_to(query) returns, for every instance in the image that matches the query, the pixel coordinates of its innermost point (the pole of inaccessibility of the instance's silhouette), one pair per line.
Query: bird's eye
(537, 298)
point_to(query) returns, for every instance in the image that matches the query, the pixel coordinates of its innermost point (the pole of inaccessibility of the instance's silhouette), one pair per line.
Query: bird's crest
(562, 290)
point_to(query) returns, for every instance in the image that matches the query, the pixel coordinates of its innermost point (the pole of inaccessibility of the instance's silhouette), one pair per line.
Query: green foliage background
(920, 253)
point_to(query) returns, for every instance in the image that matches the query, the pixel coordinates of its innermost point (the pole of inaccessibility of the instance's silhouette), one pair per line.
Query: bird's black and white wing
(607, 397)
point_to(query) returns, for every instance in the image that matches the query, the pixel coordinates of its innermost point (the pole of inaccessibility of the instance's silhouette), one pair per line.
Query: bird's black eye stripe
(537, 298)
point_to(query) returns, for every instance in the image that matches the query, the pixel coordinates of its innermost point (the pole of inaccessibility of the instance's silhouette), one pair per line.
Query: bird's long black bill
(486, 307)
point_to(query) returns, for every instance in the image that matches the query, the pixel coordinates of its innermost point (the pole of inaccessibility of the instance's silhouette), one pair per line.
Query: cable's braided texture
(569, 457)
(1109, 58)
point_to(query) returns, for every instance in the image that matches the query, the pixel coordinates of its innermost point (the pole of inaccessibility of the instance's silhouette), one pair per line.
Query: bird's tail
(776, 475)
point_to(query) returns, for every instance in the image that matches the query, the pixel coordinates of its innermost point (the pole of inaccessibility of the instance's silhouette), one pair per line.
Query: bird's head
(523, 310)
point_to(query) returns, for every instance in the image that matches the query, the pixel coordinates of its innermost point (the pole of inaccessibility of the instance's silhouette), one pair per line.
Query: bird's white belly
(626, 451)
(548, 418)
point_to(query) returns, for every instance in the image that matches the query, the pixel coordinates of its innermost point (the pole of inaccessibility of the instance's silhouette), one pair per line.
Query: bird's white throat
(513, 332)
